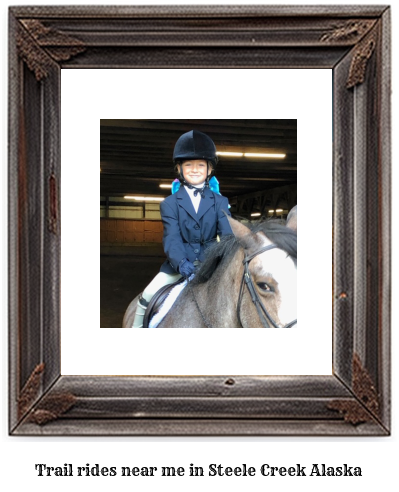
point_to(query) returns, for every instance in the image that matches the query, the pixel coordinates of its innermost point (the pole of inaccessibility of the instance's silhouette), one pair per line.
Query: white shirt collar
(195, 200)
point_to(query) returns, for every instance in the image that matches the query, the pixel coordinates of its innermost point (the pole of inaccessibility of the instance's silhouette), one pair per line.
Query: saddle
(157, 300)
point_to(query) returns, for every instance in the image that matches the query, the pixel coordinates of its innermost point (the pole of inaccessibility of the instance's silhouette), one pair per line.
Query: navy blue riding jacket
(186, 233)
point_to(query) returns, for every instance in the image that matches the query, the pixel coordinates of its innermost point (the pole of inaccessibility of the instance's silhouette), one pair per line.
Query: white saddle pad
(167, 304)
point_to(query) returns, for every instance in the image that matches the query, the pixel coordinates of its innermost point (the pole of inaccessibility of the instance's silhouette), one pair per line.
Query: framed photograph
(353, 44)
(255, 164)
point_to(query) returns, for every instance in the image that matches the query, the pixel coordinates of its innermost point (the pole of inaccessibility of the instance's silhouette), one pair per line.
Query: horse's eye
(265, 287)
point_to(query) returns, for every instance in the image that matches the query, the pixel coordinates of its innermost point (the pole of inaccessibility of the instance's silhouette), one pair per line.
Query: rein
(266, 319)
(206, 323)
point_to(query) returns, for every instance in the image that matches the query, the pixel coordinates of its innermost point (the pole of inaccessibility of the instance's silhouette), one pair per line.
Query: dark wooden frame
(353, 41)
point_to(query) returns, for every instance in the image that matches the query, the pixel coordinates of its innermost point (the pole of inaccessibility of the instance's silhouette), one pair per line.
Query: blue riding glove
(186, 268)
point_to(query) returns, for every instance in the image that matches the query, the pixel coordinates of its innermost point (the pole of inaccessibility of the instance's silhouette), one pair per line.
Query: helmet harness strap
(201, 191)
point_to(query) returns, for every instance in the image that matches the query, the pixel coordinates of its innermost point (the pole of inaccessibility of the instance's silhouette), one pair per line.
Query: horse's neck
(220, 293)
(214, 301)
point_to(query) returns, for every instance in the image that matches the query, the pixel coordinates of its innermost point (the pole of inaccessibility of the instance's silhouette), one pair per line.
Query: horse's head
(269, 287)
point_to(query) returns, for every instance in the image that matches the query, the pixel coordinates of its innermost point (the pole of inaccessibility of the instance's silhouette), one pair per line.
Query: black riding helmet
(194, 145)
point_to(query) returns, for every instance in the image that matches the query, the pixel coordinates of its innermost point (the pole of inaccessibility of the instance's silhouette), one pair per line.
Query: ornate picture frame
(352, 41)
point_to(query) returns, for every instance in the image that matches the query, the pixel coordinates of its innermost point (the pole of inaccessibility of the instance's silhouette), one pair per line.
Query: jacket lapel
(184, 201)
(206, 203)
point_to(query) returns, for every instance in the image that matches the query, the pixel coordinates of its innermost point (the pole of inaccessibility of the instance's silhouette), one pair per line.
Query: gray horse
(248, 280)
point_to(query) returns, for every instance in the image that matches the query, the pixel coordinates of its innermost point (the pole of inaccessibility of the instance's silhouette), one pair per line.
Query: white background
(376, 456)
(227, 94)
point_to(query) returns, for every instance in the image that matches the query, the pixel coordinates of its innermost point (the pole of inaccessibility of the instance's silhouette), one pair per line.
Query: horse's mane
(280, 235)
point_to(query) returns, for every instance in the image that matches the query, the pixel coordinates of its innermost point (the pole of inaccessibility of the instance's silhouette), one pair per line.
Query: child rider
(192, 216)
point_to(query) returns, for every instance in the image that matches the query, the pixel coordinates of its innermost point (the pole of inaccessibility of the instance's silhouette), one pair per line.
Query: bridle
(266, 319)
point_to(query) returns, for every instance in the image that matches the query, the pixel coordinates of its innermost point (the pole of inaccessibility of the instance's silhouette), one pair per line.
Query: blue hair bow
(213, 185)
(175, 186)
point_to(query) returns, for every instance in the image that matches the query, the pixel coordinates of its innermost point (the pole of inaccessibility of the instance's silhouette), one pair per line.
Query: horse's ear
(243, 234)
(291, 219)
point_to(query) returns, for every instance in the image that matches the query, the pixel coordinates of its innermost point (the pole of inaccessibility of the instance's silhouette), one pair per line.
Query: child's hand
(186, 268)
